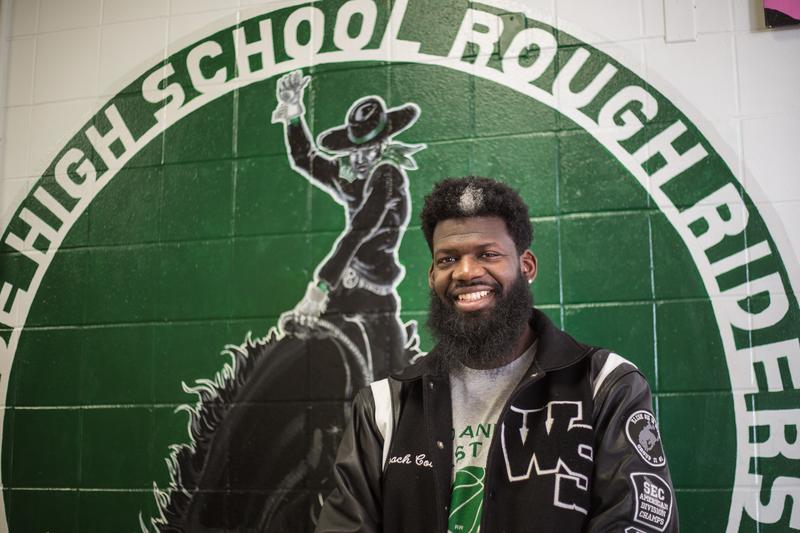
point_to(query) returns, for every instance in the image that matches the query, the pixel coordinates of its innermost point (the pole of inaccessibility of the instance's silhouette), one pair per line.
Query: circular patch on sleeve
(643, 434)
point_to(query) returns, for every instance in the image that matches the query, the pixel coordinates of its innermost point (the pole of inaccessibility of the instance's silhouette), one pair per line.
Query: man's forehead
(486, 228)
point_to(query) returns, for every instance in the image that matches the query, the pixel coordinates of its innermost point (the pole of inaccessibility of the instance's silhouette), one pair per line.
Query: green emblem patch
(466, 501)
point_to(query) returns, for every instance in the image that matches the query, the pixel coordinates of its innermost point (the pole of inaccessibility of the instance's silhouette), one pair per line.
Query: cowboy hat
(368, 121)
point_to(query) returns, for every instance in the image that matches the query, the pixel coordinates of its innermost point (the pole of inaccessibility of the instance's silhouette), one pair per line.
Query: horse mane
(215, 397)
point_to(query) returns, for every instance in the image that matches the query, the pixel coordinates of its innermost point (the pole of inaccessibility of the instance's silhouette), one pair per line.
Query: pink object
(789, 7)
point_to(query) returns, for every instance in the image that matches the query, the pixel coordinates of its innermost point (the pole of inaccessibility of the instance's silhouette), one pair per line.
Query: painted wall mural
(228, 250)
(348, 322)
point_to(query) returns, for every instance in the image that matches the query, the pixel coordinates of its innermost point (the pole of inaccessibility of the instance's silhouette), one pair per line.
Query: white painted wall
(737, 80)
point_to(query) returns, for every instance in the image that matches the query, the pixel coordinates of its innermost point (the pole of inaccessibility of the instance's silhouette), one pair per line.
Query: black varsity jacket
(577, 449)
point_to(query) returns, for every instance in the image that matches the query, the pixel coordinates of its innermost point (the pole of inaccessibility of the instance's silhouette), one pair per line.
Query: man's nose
(467, 268)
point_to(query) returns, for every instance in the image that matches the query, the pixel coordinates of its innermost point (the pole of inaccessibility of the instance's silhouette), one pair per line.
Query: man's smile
(472, 296)
(471, 299)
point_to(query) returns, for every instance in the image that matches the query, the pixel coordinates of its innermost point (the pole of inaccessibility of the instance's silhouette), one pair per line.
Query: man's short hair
(474, 196)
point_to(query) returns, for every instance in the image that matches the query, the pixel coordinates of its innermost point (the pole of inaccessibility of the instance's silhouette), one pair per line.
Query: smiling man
(508, 424)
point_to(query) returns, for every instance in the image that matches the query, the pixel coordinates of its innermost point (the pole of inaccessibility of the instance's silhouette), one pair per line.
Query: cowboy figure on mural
(261, 452)
(366, 174)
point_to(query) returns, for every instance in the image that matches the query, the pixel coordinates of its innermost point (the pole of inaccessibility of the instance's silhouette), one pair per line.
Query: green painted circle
(174, 261)
(207, 234)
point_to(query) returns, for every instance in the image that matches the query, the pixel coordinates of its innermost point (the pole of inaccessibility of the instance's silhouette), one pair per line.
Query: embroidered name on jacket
(411, 459)
(553, 440)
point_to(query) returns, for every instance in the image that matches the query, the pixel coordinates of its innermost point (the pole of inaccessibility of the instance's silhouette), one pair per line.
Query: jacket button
(430, 385)
(440, 444)
(491, 494)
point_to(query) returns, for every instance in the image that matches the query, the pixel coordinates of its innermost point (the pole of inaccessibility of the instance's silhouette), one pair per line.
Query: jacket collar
(555, 350)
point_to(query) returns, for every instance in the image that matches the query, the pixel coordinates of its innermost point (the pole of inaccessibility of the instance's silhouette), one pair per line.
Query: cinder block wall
(206, 234)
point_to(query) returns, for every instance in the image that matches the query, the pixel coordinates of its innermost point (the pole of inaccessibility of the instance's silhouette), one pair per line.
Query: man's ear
(527, 265)
(430, 276)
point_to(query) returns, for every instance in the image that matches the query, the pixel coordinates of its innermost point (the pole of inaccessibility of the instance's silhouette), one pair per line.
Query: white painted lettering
(119, 132)
(172, 94)
(675, 162)
(617, 117)
(9, 310)
(369, 14)
(565, 77)
(480, 29)
(85, 170)
(724, 201)
(741, 258)
(316, 20)
(784, 487)
(390, 40)
(200, 81)
(522, 41)
(52, 205)
(771, 286)
(769, 355)
(261, 47)
(36, 228)
(778, 421)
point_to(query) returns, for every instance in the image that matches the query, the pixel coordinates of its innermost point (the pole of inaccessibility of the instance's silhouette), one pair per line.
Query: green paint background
(207, 234)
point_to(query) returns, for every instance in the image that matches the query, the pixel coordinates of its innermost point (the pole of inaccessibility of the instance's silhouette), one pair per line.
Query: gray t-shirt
(478, 398)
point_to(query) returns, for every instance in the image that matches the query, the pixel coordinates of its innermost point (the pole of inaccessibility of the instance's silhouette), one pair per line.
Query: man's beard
(483, 339)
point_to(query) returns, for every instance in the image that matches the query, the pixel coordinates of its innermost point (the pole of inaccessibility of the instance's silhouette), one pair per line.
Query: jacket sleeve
(314, 166)
(354, 505)
(632, 489)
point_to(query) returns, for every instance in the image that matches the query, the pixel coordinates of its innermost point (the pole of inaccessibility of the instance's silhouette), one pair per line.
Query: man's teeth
(472, 296)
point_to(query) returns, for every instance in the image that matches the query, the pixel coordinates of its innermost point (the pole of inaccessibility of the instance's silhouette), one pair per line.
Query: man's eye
(490, 254)
(446, 260)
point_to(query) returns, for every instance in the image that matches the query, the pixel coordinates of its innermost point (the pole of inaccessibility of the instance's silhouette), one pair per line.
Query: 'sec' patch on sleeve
(653, 500)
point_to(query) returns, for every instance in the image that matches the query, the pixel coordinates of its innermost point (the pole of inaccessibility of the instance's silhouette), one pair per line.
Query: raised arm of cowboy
(291, 111)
